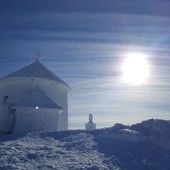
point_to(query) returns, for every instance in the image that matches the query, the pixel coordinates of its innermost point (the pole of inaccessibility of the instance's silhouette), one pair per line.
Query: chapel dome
(36, 70)
(33, 99)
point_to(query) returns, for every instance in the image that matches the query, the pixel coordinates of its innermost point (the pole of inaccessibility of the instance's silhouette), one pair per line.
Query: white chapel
(33, 99)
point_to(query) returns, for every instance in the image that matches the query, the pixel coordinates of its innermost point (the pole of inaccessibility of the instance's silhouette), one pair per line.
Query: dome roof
(36, 70)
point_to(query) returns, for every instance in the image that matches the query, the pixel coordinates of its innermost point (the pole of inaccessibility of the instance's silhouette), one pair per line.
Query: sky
(85, 43)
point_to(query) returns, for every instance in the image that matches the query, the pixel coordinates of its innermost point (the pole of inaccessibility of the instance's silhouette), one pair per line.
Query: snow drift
(140, 146)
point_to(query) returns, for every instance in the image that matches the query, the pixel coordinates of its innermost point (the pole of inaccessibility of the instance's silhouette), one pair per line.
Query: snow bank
(125, 135)
(120, 147)
(157, 131)
(46, 152)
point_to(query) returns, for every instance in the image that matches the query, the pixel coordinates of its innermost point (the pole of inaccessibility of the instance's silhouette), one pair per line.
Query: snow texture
(140, 146)
(46, 151)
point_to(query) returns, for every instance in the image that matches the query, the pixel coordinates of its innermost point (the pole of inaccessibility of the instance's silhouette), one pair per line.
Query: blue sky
(85, 42)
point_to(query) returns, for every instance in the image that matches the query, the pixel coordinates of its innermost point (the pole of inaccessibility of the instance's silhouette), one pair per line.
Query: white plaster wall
(15, 90)
(35, 120)
(18, 88)
(60, 97)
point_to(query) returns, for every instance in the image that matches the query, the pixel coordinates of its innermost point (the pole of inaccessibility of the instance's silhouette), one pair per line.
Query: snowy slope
(65, 150)
(119, 147)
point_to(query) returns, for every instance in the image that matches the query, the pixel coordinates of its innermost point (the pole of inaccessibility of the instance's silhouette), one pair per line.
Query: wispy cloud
(85, 42)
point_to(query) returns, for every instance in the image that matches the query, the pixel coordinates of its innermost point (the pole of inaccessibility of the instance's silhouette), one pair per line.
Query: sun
(135, 69)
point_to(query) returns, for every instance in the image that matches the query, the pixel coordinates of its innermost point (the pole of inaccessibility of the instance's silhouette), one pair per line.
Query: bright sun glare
(135, 69)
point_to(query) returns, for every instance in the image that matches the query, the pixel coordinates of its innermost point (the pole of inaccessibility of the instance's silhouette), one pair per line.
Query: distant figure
(90, 125)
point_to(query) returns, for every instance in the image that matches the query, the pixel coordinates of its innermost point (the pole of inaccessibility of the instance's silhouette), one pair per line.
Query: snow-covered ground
(141, 146)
